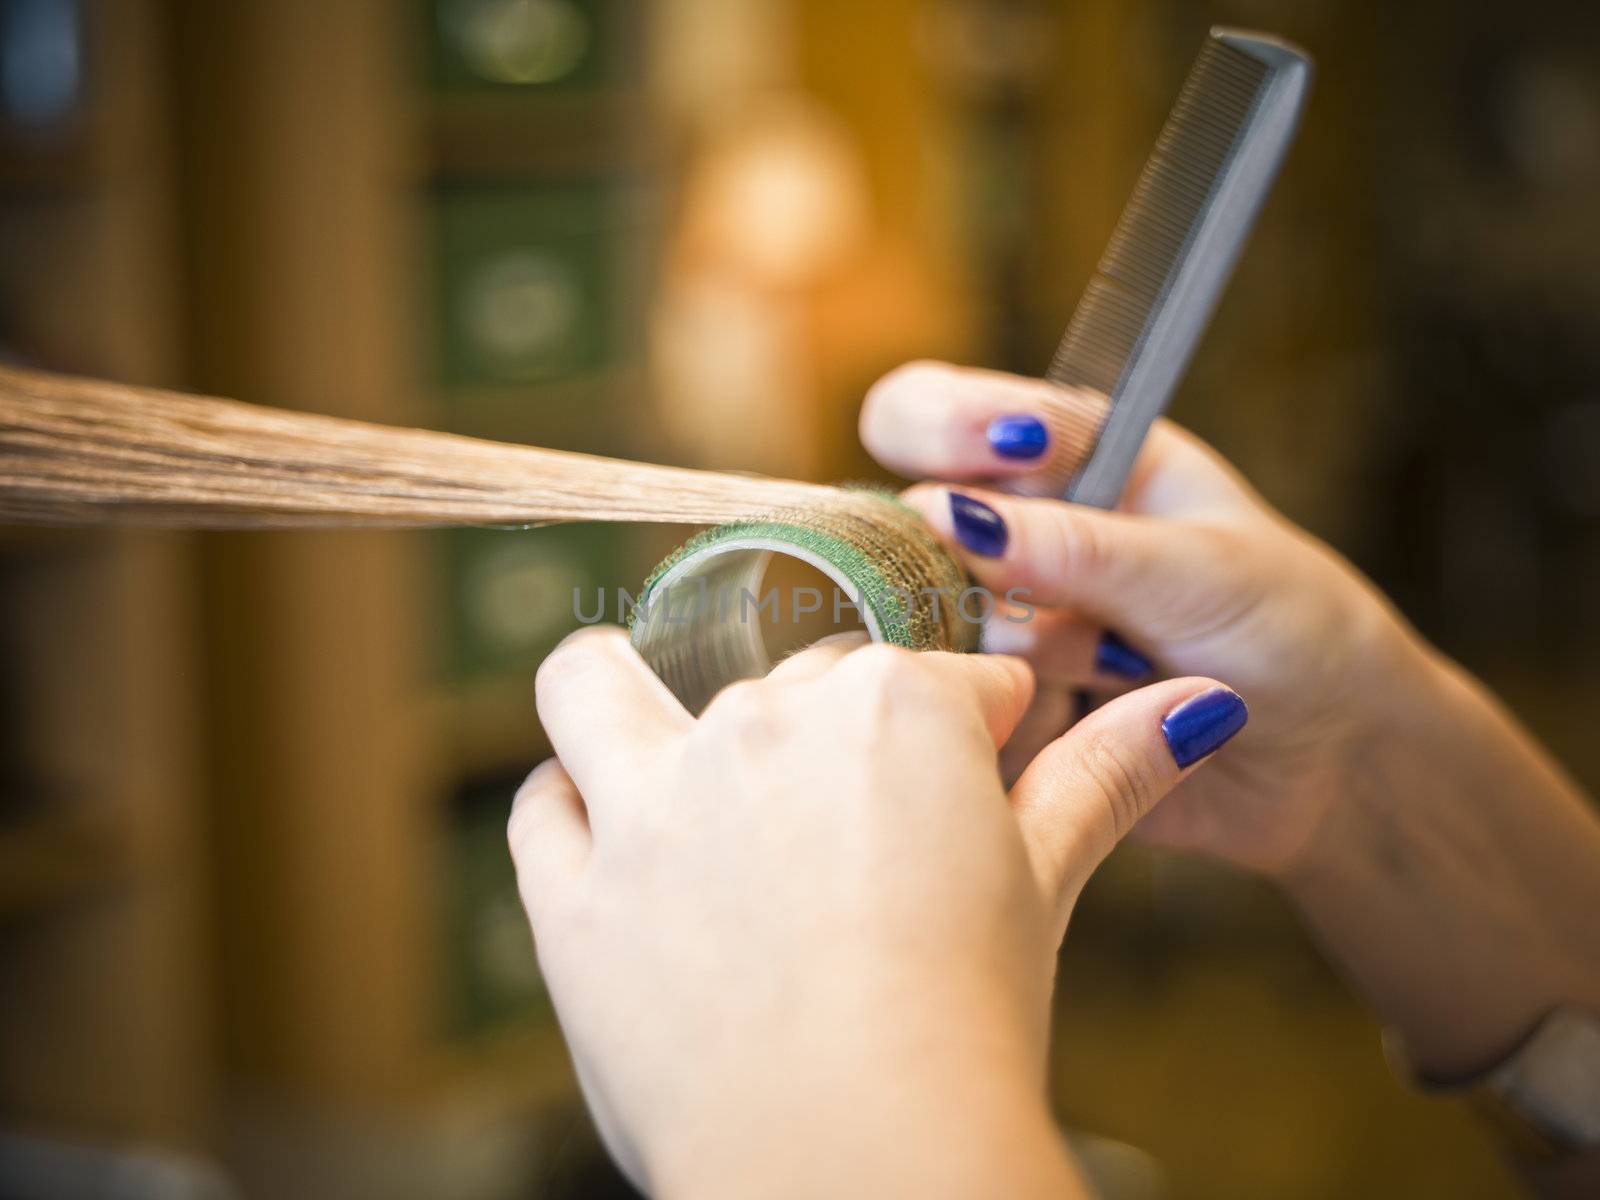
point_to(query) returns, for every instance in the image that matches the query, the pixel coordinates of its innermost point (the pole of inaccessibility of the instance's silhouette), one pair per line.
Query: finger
(933, 420)
(1085, 791)
(819, 657)
(930, 420)
(1066, 650)
(1121, 569)
(1001, 685)
(1049, 715)
(606, 712)
(548, 832)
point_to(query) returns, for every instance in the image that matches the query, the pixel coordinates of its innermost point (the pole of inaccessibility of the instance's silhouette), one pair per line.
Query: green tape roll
(693, 624)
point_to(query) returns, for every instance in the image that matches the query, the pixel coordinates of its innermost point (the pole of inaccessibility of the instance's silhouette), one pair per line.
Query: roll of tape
(695, 623)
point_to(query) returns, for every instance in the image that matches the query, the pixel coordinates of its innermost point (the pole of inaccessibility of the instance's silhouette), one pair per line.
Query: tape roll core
(693, 624)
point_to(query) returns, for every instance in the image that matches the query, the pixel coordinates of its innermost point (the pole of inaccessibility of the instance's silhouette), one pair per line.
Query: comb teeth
(1167, 203)
(1181, 224)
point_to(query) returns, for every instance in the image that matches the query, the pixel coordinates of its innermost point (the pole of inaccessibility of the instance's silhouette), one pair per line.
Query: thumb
(1002, 686)
(999, 686)
(1089, 787)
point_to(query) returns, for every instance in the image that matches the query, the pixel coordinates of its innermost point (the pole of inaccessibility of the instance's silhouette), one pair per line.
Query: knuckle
(890, 682)
(739, 695)
(880, 666)
(1121, 781)
(581, 646)
(522, 820)
(603, 639)
(744, 711)
(1070, 546)
(519, 825)
(551, 670)
(1217, 542)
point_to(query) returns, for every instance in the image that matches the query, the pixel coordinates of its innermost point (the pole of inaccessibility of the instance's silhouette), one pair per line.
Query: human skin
(804, 944)
(1447, 864)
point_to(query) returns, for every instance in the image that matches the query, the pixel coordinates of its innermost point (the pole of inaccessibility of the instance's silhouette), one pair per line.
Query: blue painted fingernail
(978, 527)
(1113, 656)
(1018, 437)
(1202, 723)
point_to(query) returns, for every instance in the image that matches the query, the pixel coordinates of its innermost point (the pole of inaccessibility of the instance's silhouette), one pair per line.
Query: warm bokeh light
(258, 926)
(778, 199)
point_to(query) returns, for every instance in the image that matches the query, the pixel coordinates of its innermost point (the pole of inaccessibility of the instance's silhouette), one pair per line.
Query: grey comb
(1153, 293)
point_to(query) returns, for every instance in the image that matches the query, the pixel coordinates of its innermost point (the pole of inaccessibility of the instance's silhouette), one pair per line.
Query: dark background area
(257, 921)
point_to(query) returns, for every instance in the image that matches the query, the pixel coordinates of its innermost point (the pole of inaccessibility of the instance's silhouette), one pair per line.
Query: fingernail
(1113, 656)
(978, 527)
(1020, 436)
(1202, 723)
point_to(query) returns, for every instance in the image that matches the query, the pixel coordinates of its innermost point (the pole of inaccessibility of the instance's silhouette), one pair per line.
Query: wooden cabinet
(105, 1017)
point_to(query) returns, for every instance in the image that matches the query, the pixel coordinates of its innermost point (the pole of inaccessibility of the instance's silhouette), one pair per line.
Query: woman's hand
(1444, 860)
(1194, 575)
(804, 945)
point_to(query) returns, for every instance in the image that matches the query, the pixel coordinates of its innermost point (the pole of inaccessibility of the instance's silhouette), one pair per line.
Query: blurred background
(258, 932)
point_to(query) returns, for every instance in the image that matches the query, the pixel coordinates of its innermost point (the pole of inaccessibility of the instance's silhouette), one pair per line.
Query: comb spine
(1203, 265)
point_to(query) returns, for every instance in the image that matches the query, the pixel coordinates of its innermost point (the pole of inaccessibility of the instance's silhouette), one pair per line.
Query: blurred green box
(530, 281)
(513, 594)
(492, 978)
(530, 46)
